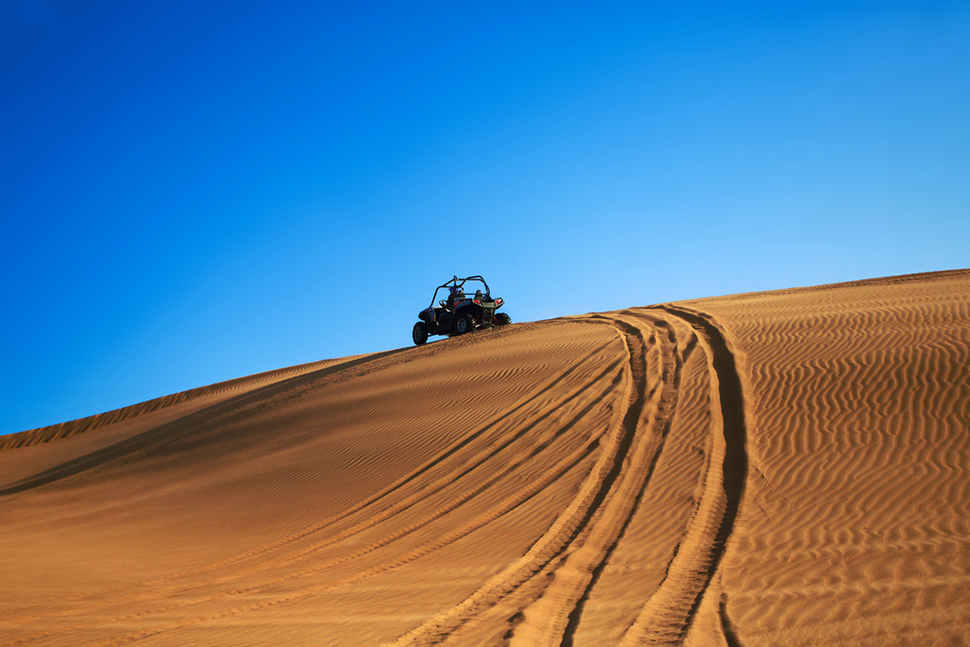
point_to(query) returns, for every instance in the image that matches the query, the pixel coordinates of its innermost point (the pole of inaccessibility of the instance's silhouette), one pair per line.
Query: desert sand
(779, 468)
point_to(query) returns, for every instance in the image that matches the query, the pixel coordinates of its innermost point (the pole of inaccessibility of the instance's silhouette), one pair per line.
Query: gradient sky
(196, 191)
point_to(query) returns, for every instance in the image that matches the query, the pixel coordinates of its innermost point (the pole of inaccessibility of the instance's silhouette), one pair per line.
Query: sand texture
(781, 468)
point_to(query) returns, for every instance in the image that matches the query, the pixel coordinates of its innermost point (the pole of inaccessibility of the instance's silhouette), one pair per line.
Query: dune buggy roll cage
(456, 284)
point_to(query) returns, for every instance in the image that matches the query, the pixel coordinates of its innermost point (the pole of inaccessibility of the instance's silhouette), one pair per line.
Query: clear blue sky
(196, 191)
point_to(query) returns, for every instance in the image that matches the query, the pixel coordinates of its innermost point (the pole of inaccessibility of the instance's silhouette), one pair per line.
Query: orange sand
(782, 468)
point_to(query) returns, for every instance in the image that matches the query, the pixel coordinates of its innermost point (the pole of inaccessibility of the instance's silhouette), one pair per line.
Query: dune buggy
(460, 311)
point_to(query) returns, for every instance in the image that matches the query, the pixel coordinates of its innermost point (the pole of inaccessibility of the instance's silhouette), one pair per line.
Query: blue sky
(196, 191)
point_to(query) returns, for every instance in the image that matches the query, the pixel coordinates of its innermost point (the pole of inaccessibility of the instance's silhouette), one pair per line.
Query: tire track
(554, 617)
(668, 615)
(593, 492)
(727, 627)
(618, 459)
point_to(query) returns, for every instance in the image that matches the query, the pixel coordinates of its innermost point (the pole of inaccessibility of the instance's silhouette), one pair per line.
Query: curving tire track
(553, 618)
(564, 565)
(548, 586)
(668, 615)
(574, 519)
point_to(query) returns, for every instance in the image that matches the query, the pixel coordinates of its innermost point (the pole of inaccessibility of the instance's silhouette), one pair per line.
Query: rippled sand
(781, 468)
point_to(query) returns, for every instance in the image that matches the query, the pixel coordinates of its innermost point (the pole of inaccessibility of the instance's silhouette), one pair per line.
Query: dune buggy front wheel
(419, 333)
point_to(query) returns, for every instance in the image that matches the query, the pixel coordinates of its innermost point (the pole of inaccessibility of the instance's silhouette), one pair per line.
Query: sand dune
(781, 468)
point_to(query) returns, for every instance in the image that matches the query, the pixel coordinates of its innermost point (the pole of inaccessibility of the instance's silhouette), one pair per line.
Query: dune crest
(204, 393)
(785, 467)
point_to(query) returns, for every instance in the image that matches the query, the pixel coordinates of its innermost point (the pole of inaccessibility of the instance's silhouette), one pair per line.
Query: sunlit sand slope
(855, 524)
(785, 468)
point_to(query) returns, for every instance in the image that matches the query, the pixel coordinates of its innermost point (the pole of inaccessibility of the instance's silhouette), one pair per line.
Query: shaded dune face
(785, 468)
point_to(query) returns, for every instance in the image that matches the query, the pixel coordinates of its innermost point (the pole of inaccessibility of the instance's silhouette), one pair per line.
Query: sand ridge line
(816, 290)
(668, 615)
(192, 424)
(552, 619)
(244, 405)
(576, 516)
(61, 430)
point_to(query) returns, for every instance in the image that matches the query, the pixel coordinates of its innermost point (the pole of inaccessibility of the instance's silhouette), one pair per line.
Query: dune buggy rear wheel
(502, 319)
(465, 324)
(419, 333)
